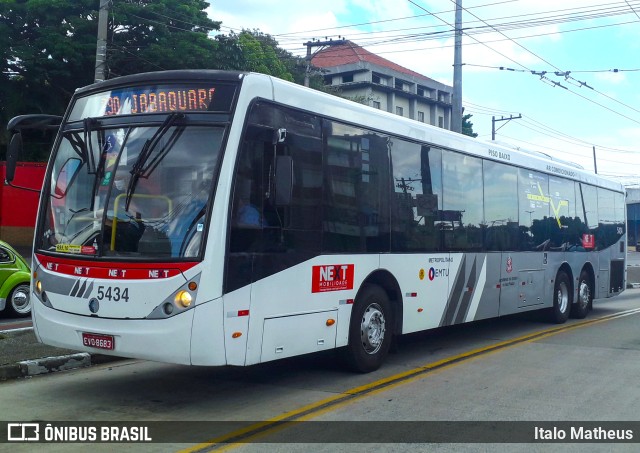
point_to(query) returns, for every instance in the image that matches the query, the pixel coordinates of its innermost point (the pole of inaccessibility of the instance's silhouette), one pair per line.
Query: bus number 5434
(115, 293)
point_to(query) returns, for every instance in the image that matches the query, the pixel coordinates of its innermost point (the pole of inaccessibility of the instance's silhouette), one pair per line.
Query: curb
(27, 368)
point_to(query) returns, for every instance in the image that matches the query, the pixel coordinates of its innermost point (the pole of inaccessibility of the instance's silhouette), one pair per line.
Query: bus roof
(334, 107)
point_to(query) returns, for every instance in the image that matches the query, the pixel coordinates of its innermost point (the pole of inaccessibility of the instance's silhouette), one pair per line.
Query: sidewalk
(21, 355)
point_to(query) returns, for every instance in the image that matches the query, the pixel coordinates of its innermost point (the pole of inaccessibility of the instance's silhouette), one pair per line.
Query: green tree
(48, 47)
(154, 35)
(254, 51)
(467, 126)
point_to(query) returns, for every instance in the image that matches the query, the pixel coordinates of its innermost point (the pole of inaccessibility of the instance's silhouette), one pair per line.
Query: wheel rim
(585, 294)
(372, 329)
(562, 297)
(20, 300)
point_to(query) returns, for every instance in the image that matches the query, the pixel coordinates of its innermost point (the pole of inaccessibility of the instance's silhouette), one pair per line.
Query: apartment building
(382, 84)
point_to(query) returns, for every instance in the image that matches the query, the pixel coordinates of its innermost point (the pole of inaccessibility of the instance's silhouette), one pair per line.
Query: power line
(528, 122)
(566, 74)
(585, 14)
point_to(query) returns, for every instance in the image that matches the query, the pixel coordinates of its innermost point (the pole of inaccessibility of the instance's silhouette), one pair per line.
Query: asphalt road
(517, 368)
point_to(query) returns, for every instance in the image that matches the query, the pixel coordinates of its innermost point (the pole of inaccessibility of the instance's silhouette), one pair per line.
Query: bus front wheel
(561, 298)
(370, 330)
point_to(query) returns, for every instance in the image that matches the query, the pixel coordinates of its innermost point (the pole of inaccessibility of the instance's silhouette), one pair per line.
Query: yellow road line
(257, 430)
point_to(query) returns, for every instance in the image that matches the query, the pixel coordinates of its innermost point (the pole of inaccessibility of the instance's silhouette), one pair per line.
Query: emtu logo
(435, 273)
(332, 277)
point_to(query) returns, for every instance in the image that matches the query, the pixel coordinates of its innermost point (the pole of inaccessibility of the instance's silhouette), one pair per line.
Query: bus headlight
(179, 301)
(183, 298)
(39, 286)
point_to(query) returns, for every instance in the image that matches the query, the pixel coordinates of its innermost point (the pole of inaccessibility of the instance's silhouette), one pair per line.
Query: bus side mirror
(14, 151)
(284, 180)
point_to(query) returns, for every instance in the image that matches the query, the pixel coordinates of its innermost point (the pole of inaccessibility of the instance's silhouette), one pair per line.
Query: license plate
(98, 341)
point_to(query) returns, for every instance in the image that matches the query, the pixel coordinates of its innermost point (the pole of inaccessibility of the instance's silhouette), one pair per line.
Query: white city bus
(225, 218)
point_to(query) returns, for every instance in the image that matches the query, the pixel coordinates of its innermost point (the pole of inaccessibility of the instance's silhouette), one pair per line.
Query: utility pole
(595, 166)
(101, 46)
(494, 121)
(456, 104)
(311, 44)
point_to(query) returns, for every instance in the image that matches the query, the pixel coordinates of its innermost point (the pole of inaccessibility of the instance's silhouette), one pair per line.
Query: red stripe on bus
(109, 270)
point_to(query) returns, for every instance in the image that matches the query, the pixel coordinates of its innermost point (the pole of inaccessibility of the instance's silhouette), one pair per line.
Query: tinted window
(462, 211)
(357, 182)
(5, 257)
(562, 205)
(588, 213)
(590, 206)
(620, 207)
(417, 197)
(533, 190)
(607, 226)
(275, 224)
(500, 206)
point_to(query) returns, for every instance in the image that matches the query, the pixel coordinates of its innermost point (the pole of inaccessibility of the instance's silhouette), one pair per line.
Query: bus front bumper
(163, 340)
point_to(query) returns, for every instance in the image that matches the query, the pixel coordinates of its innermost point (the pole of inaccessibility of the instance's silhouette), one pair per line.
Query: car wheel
(19, 303)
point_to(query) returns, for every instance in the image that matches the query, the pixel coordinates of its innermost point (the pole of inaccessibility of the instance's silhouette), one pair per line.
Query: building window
(443, 96)
(376, 78)
(420, 91)
(376, 105)
(441, 121)
(347, 78)
(421, 117)
(399, 111)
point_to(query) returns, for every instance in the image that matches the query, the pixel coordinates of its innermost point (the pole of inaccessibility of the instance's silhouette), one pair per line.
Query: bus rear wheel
(370, 330)
(562, 298)
(583, 305)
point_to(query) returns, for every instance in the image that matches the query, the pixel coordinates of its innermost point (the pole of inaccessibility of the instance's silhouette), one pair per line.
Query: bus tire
(562, 296)
(370, 330)
(584, 303)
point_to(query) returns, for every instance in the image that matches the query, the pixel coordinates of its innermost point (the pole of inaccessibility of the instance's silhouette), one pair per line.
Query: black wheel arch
(564, 267)
(588, 268)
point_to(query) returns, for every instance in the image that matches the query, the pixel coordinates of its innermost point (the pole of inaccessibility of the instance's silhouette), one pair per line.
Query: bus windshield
(130, 190)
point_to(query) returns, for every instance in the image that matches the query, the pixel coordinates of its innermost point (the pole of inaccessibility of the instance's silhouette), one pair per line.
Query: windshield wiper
(68, 222)
(140, 167)
(83, 146)
(88, 129)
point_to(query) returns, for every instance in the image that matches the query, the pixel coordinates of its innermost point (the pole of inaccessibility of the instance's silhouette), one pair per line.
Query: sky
(570, 68)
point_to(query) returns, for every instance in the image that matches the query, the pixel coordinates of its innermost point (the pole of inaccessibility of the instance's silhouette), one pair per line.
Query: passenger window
(417, 199)
(462, 210)
(5, 257)
(500, 206)
(533, 193)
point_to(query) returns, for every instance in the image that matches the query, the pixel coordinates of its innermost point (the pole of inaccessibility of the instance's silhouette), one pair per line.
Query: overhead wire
(377, 40)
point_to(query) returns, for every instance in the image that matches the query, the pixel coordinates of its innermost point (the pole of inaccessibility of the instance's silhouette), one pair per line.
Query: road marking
(275, 424)
(17, 329)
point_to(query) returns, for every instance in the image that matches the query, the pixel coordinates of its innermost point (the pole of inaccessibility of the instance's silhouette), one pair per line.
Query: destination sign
(165, 98)
(160, 101)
